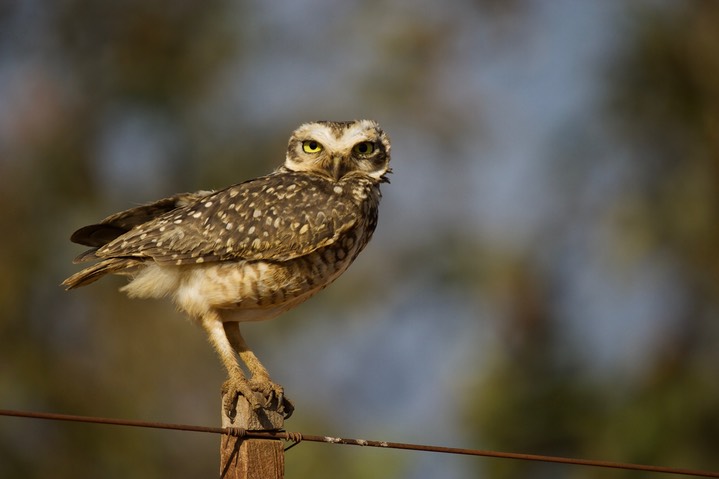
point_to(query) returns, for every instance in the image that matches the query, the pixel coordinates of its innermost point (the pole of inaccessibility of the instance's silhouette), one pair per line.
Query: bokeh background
(544, 278)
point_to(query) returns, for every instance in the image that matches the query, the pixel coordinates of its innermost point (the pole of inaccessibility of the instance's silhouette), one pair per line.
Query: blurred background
(544, 277)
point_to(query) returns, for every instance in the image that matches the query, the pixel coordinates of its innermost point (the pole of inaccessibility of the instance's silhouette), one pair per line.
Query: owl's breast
(263, 289)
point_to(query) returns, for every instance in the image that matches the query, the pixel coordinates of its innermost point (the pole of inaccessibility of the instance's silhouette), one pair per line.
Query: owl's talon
(260, 393)
(274, 396)
(233, 388)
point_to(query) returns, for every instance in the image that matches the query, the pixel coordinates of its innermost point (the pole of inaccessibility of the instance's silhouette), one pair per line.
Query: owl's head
(339, 149)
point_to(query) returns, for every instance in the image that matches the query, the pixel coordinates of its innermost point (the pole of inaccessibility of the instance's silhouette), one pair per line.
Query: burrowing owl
(251, 251)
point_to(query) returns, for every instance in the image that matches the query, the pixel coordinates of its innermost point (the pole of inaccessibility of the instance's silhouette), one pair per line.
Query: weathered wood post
(244, 458)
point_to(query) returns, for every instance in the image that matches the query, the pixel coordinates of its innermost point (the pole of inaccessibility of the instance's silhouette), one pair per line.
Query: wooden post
(243, 458)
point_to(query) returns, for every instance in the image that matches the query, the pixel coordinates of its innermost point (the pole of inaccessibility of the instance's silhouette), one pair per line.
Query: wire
(296, 437)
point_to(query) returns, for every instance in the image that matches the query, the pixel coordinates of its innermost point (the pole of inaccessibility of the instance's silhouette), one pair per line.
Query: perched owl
(251, 251)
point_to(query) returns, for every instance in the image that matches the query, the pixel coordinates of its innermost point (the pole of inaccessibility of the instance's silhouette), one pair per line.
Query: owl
(253, 250)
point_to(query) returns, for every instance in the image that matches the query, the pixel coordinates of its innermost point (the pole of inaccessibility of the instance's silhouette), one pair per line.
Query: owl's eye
(311, 146)
(364, 148)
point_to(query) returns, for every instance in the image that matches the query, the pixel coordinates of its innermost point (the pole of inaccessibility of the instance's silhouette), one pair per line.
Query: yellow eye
(311, 146)
(364, 148)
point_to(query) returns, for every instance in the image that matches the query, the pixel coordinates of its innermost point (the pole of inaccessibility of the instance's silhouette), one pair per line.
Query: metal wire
(297, 437)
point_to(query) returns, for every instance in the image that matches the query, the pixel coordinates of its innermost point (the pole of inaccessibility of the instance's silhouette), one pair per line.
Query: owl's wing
(276, 217)
(100, 234)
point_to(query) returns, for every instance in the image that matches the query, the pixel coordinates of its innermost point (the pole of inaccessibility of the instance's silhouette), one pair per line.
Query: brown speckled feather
(277, 217)
(102, 233)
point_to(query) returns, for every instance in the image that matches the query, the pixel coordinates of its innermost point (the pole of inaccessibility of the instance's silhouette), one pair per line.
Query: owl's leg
(237, 384)
(260, 381)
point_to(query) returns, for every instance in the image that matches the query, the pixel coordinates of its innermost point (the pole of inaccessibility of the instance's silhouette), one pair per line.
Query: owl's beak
(338, 168)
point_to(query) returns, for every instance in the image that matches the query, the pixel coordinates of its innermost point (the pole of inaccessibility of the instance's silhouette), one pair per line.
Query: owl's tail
(98, 270)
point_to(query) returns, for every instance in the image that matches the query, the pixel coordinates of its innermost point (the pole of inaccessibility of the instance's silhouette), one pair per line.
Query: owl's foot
(273, 396)
(234, 387)
(261, 393)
